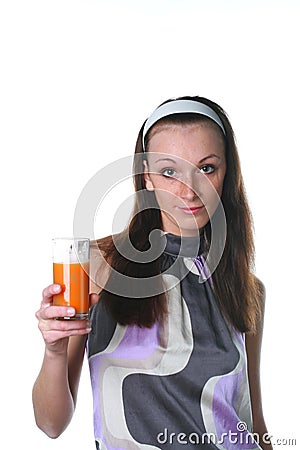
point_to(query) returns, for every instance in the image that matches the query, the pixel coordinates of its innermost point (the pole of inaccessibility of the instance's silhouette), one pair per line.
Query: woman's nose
(187, 189)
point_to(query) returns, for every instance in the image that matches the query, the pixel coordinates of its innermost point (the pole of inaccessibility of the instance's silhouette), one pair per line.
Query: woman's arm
(55, 390)
(56, 387)
(253, 347)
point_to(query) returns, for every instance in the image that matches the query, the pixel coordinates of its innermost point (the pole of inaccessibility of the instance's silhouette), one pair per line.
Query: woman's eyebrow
(213, 155)
(165, 159)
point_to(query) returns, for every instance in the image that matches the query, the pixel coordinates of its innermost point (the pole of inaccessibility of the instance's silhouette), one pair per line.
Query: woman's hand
(56, 333)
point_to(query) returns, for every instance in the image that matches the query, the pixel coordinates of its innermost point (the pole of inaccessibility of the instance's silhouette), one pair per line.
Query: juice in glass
(71, 271)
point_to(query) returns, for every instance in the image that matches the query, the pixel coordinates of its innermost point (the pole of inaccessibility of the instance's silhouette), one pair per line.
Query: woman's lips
(192, 209)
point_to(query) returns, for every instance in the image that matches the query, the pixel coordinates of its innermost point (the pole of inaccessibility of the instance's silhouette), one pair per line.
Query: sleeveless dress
(175, 386)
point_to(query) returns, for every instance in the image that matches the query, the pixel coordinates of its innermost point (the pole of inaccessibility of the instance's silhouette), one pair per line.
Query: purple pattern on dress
(231, 430)
(203, 269)
(128, 349)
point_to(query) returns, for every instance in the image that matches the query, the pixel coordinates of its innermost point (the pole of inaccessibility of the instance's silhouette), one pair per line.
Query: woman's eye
(168, 172)
(208, 168)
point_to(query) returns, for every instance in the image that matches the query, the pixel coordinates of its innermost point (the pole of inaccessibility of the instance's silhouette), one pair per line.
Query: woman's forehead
(192, 140)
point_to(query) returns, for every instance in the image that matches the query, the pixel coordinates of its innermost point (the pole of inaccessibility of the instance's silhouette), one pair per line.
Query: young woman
(176, 313)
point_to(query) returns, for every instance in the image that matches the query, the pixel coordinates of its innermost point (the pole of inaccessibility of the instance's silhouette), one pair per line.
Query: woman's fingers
(56, 331)
(52, 312)
(48, 293)
(63, 325)
(47, 310)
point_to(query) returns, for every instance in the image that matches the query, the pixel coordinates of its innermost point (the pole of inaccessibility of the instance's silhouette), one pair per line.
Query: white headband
(177, 107)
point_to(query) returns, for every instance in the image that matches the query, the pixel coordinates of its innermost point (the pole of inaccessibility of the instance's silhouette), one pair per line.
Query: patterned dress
(179, 385)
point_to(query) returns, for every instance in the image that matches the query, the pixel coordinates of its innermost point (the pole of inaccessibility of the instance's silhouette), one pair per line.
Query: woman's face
(185, 168)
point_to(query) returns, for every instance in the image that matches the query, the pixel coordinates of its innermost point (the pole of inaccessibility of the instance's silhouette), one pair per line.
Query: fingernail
(71, 311)
(56, 288)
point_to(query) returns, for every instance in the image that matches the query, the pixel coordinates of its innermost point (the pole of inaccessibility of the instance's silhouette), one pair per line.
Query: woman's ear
(147, 179)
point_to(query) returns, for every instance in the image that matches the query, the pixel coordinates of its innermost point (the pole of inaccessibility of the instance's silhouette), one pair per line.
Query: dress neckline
(189, 247)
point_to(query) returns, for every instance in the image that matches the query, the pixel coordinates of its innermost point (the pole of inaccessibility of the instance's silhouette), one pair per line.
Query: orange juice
(74, 279)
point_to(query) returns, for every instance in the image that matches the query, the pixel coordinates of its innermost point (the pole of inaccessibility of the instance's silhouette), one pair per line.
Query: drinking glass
(71, 258)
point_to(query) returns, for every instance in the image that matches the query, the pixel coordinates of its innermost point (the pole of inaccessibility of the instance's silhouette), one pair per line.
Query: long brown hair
(236, 289)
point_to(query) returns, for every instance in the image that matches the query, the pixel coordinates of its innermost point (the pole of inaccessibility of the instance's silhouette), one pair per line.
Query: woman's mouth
(192, 209)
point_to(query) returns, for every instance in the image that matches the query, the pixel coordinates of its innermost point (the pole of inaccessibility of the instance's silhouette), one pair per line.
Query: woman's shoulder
(103, 242)
(260, 294)
(105, 245)
(260, 287)
(100, 252)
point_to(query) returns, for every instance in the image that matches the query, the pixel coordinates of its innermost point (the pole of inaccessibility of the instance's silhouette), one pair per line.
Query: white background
(78, 78)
